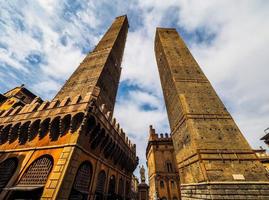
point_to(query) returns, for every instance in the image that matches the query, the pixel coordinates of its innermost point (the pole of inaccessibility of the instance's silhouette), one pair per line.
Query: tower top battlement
(153, 136)
(101, 67)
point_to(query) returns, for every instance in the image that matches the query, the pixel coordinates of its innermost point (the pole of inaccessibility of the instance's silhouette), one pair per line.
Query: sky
(43, 41)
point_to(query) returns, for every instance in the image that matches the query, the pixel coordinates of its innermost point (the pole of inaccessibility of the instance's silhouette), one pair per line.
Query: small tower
(162, 171)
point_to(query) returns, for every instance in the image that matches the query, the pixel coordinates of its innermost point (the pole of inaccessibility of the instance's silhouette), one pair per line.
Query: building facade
(213, 157)
(18, 96)
(163, 174)
(71, 147)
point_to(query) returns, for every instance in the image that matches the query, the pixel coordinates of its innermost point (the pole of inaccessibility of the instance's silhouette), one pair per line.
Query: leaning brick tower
(71, 147)
(214, 159)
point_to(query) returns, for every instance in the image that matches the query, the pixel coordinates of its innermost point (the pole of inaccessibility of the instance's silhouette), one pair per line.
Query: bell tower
(213, 157)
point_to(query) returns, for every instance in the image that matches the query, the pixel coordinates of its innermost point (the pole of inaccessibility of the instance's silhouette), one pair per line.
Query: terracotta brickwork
(71, 147)
(209, 146)
(100, 68)
(162, 170)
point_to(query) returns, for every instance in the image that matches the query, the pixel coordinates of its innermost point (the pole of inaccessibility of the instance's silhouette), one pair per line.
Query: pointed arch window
(80, 189)
(111, 186)
(100, 186)
(38, 172)
(32, 183)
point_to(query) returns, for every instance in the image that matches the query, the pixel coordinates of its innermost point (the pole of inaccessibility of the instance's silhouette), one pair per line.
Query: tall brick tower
(100, 68)
(213, 157)
(71, 147)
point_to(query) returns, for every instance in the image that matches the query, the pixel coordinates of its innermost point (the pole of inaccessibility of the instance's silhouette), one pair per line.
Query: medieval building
(213, 158)
(162, 169)
(70, 147)
(18, 96)
(73, 148)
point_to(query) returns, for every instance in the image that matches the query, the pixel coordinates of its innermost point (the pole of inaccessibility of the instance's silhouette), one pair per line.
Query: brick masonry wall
(249, 190)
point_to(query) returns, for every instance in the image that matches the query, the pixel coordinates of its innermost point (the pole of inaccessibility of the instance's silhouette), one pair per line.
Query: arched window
(13, 134)
(82, 182)
(23, 133)
(55, 128)
(163, 198)
(32, 183)
(89, 125)
(34, 127)
(100, 186)
(161, 184)
(174, 198)
(65, 124)
(121, 187)
(111, 187)
(4, 133)
(7, 169)
(38, 172)
(127, 191)
(76, 121)
(44, 128)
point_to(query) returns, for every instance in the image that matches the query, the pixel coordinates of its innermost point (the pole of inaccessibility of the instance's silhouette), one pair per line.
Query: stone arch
(7, 169)
(163, 198)
(55, 128)
(76, 121)
(80, 188)
(4, 133)
(65, 124)
(33, 130)
(175, 198)
(95, 132)
(108, 148)
(98, 138)
(100, 185)
(89, 125)
(111, 187)
(44, 128)
(34, 179)
(104, 142)
(38, 172)
(112, 149)
(108, 143)
(119, 154)
(23, 133)
(13, 134)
